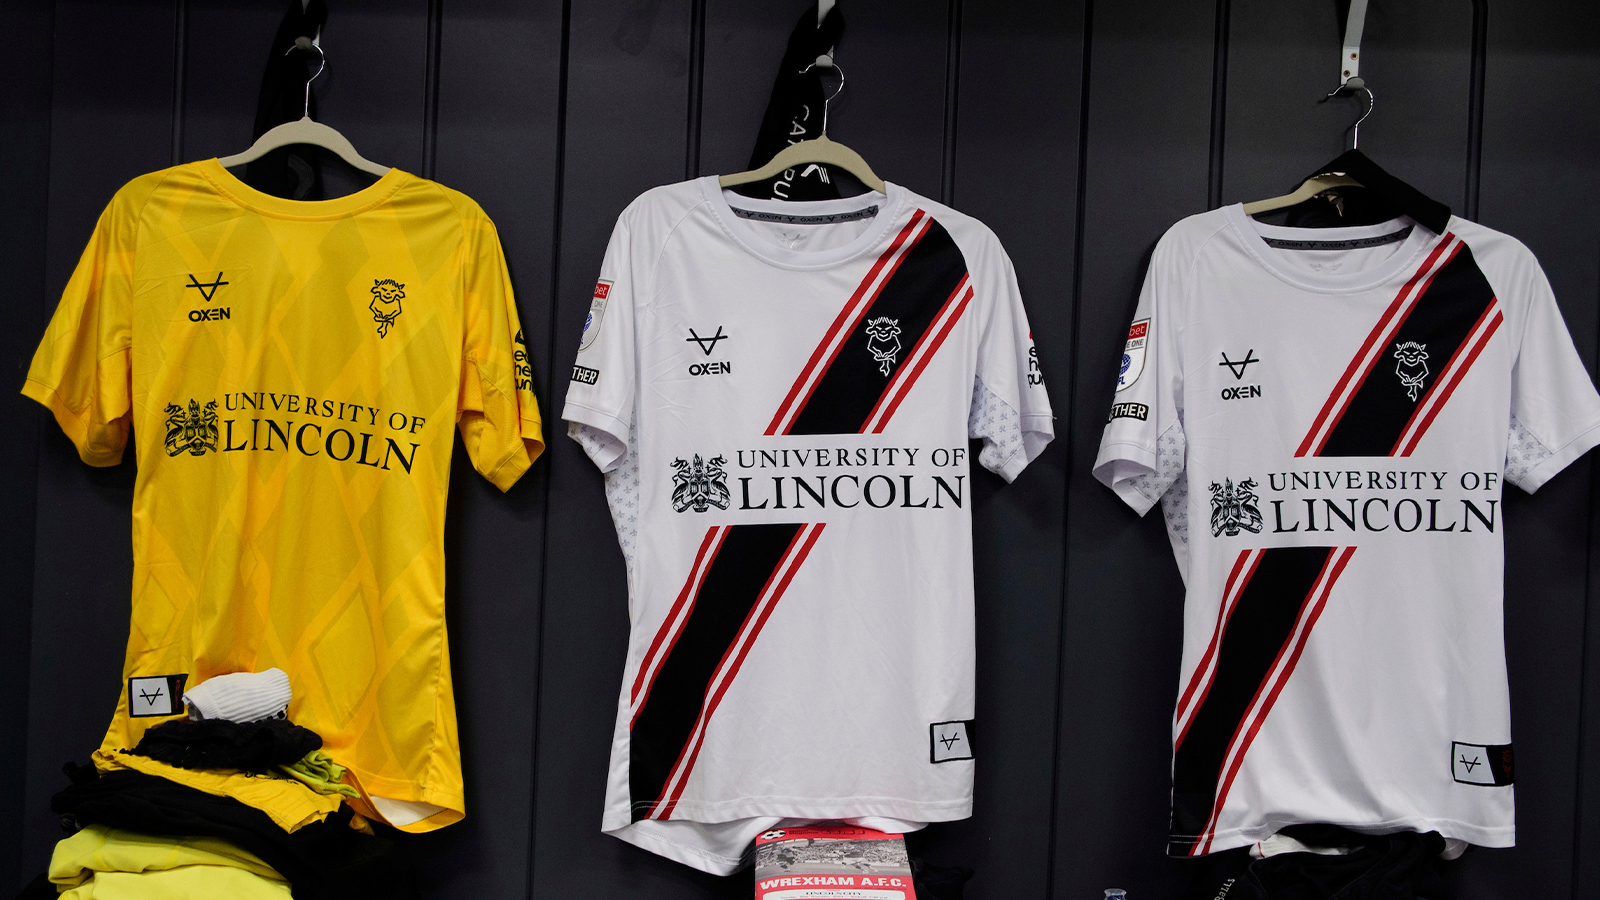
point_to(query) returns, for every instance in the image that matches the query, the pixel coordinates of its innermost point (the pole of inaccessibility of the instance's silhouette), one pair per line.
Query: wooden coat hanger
(818, 150)
(305, 130)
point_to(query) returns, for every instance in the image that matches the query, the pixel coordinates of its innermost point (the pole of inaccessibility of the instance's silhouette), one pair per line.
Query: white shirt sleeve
(1555, 411)
(1010, 409)
(600, 399)
(1142, 450)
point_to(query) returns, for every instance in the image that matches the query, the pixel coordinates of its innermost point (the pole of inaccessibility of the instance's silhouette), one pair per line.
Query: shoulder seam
(667, 239)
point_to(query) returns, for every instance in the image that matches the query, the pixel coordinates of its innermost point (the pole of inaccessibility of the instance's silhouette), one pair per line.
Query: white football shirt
(781, 396)
(1327, 416)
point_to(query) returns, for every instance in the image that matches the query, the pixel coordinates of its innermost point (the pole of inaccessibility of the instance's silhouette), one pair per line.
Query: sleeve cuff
(76, 427)
(1116, 468)
(1560, 459)
(606, 456)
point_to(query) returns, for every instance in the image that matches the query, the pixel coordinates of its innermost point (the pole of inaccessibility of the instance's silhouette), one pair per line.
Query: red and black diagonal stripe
(914, 294)
(1271, 601)
(743, 568)
(1452, 314)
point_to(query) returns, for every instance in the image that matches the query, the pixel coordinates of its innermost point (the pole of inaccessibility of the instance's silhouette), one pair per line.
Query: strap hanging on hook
(1350, 80)
(1350, 54)
(826, 59)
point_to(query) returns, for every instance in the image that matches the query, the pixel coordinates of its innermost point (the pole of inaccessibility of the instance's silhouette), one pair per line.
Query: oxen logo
(699, 485)
(1413, 366)
(1233, 508)
(194, 429)
(883, 342)
(386, 296)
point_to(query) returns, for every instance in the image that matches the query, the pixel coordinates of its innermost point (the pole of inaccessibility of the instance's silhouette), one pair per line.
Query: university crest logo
(883, 342)
(699, 485)
(194, 429)
(1234, 508)
(386, 296)
(1412, 366)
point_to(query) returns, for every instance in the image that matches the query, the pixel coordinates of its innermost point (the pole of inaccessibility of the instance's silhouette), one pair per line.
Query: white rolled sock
(240, 697)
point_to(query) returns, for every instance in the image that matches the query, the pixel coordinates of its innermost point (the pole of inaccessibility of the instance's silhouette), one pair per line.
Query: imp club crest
(386, 296)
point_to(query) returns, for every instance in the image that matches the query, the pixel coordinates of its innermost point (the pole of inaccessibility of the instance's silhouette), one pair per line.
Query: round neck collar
(1398, 265)
(243, 194)
(890, 204)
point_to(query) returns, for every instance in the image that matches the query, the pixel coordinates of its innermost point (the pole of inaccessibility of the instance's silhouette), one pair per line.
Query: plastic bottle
(1116, 894)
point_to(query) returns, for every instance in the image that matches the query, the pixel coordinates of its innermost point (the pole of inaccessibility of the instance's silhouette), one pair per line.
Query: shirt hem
(1483, 836)
(619, 823)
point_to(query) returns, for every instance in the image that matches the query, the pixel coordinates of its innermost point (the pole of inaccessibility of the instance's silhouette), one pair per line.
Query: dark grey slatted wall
(1147, 92)
(111, 120)
(24, 159)
(1540, 181)
(1078, 131)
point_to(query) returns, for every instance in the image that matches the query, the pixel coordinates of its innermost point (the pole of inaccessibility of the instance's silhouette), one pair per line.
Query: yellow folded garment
(100, 863)
(289, 803)
(319, 772)
(185, 883)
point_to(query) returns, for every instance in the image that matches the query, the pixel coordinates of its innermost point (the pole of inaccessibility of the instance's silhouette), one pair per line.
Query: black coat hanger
(1374, 196)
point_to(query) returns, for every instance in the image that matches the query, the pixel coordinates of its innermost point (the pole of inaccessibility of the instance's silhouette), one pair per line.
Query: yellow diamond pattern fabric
(291, 375)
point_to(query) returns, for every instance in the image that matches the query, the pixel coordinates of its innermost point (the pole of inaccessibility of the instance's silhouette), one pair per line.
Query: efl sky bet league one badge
(597, 311)
(832, 862)
(1133, 354)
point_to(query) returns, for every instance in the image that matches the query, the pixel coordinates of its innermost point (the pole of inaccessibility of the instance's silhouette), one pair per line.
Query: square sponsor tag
(1485, 764)
(950, 741)
(156, 695)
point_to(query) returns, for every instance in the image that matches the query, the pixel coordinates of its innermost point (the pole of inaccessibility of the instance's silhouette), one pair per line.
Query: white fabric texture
(240, 696)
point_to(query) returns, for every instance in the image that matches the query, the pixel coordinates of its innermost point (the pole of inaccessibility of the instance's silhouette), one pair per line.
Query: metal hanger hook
(836, 92)
(305, 43)
(1355, 86)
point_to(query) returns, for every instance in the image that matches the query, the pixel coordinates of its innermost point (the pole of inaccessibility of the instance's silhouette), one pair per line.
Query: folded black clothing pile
(326, 859)
(253, 747)
(1401, 866)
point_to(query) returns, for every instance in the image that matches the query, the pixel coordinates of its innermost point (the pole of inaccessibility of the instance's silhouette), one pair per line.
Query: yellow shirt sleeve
(82, 370)
(496, 410)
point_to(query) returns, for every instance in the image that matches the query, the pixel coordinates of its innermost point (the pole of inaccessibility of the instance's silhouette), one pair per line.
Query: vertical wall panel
(1541, 184)
(1148, 95)
(1282, 59)
(499, 91)
(24, 164)
(1020, 62)
(111, 120)
(627, 76)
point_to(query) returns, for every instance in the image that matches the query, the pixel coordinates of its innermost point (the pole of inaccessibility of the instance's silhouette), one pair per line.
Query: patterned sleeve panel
(622, 486)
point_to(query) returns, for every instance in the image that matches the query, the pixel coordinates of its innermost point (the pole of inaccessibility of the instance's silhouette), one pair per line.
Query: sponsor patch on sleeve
(585, 375)
(950, 741)
(1133, 352)
(597, 311)
(155, 695)
(1486, 764)
(1129, 411)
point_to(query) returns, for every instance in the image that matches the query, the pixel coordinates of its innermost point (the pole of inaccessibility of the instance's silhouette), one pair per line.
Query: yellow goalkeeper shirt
(291, 373)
